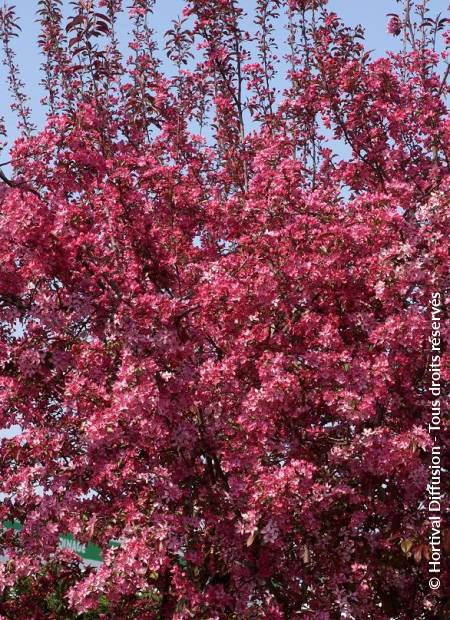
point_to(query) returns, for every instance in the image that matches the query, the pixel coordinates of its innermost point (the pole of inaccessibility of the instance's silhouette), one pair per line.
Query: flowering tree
(215, 296)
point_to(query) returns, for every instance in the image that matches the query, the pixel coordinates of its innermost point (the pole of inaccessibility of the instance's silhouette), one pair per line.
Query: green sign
(89, 553)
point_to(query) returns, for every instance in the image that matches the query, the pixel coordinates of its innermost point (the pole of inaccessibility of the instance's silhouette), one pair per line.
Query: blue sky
(371, 14)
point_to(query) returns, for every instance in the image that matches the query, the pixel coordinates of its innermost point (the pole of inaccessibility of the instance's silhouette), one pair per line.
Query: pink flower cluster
(214, 320)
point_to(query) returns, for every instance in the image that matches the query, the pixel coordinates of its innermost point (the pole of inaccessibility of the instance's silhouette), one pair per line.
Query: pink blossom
(394, 26)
